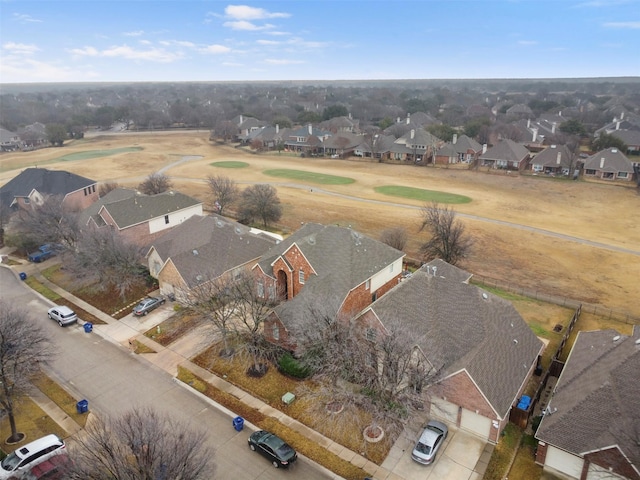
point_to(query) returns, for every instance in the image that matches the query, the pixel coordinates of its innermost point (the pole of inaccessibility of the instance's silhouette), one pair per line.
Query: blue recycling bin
(88, 327)
(238, 423)
(23, 276)
(82, 406)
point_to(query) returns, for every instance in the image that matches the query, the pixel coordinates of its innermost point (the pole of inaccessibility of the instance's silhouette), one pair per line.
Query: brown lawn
(528, 259)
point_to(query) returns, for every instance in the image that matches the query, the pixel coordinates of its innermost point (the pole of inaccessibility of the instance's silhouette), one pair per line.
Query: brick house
(609, 164)
(332, 265)
(201, 249)
(556, 160)
(142, 218)
(460, 150)
(33, 185)
(591, 428)
(483, 348)
(507, 155)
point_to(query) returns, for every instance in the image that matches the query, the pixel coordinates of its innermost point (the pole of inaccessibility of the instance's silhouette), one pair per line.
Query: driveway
(464, 457)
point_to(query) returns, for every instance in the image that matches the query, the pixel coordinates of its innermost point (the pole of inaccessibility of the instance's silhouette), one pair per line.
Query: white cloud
(269, 42)
(215, 49)
(282, 61)
(246, 26)
(17, 69)
(124, 51)
(24, 18)
(136, 33)
(20, 48)
(632, 25)
(245, 12)
(527, 42)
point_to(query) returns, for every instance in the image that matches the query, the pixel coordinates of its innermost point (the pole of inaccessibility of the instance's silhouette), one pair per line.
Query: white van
(24, 458)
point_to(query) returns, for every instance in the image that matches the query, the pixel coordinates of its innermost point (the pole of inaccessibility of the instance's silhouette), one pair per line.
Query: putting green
(319, 178)
(95, 154)
(421, 194)
(229, 164)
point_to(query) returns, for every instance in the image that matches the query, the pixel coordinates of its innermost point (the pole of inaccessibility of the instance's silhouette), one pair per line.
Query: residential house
(340, 125)
(377, 147)
(591, 425)
(609, 164)
(341, 144)
(507, 154)
(9, 141)
(519, 110)
(267, 138)
(631, 139)
(461, 150)
(623, 121)
(330, 266)
(142, 218)
(554, 160)
(482, 348)
(34, 135)
(202, 249)
(33, 185)
(305, 139)
(416, 146)
(247, 125)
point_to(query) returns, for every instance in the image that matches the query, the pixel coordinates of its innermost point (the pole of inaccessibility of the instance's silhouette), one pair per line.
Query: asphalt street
(114, 380)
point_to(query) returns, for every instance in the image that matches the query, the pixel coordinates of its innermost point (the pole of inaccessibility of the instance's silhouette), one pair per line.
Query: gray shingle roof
(209, 246)
(549, 157)
(506, 150)
(115, 195)
(141, 208)
(629, 137)
(460, 326)
(341, 257)
(48, 182)
(597, 396)
(609, 160)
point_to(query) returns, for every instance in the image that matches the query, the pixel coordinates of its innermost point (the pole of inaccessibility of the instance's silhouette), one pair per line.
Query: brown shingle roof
(141, 208)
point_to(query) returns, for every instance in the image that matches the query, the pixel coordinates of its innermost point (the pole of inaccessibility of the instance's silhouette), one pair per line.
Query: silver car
(148, 304)
(63, 315)
(429, 443)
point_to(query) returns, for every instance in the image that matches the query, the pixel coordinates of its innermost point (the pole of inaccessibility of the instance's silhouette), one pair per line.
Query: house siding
(611, 460)
(169, 279)
(81, 199)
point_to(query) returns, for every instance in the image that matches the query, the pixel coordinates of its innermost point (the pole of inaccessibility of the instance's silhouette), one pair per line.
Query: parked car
(429, 443)
(279, 453)
(55, 468)
(148, 304)
(19, 462)
(63, 315)
(43, 253)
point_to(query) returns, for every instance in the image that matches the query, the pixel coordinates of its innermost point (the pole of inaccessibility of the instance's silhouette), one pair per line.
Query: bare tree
(260, 202)
(141, 445)
(395, 237)
(224, 190)
(49, 222)
(23, 346)
(448, 241)
(251, 312)
(155, 183)
(106, 259)
(106, 187)
(215, 300)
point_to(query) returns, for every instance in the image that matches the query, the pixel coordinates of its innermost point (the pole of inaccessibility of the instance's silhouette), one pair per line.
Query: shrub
(290, 366)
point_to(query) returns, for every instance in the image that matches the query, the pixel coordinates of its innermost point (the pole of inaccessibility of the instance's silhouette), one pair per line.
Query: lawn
(89, 154)
(313, 177)
(422, 194)
(174, 327)
(230, 164)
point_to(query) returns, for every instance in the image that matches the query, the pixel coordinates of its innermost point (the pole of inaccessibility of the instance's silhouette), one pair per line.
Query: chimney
(622, 116)
(528, 122)
(617, 125)
(241, 120)
(558, 158)
(277, 128)
(560, 113)
(310, 130)
(553, 128)
(409, 119)
(455, 138)
(484, 148)
(602, 162)
(413, 133)
(535, 135)
(398, 120)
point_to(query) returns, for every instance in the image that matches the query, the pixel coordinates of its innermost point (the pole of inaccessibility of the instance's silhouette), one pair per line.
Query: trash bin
(88, 327)
(23, 276)
(238, 423)
(82, 406)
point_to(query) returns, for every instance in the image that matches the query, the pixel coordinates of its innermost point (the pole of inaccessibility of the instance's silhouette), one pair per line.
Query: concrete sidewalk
(123, 332)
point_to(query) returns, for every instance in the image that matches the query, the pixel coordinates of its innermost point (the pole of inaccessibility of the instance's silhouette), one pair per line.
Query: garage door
(478, 424)
(564, 462)
(444, 410)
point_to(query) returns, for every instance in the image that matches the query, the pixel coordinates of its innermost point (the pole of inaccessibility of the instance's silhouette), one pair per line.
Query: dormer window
(301, 276)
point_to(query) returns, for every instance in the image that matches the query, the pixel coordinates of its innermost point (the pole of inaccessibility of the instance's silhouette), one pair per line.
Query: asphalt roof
(460, 326)
(506, 150)
(49, 182)
(596, 402)
(609, 160)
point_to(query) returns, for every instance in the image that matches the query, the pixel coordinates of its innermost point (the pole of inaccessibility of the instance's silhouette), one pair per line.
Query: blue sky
(189, 40)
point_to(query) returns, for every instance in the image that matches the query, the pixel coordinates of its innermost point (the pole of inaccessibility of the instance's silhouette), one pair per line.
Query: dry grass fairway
(530, 259)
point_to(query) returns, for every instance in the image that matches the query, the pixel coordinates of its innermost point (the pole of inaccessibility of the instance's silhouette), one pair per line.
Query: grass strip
(421, 194)
(313, 177)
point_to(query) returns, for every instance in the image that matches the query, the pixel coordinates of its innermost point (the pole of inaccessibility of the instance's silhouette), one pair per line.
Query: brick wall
(610, 459)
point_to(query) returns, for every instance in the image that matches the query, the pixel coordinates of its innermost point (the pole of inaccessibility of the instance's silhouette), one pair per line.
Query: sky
(200, 40)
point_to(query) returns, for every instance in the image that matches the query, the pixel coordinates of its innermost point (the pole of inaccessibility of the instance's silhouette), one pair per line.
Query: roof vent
(515, 340)
(637, 342)
(195, 253)
(485, 296)
(616, 338)
(614, 150)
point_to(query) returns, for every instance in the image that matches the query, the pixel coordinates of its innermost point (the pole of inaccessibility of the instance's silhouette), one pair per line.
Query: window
(391, 268)
(371, 334)
(301, 276)
(275, 332)
(367, 285)
(166, 219)
(27, 200)
(85, 191)
(622, 174)
(590, 171)
(260, 289)
(93, 189)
